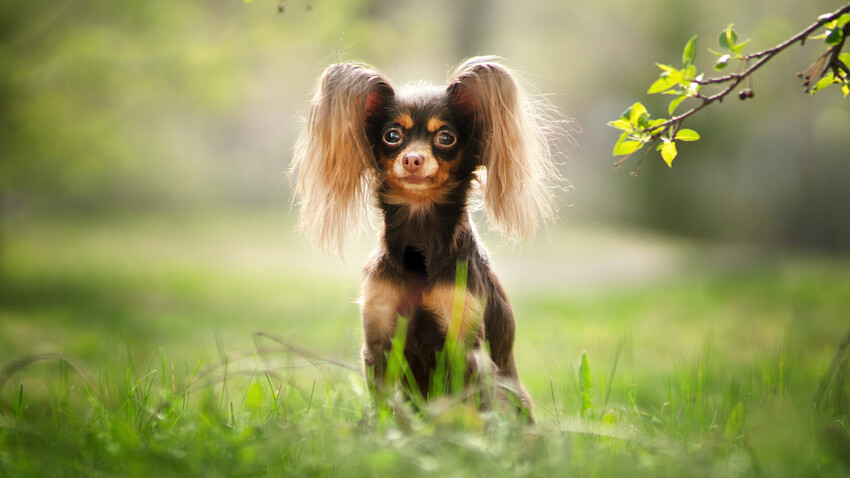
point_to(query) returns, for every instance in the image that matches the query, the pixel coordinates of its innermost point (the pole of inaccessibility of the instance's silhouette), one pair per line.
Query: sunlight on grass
(151, 366)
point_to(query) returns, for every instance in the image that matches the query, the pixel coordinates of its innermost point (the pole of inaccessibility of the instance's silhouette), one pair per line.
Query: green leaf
(845, 88)
(609, 419)
(739, 47)
(633, 111)
(670, 73)
(585, 385)
(827, 80)
(255, 397)
(835, 36)
(722, 62)
(687, 135)
(690, 52)
(666, 68)
(645, 123)
(636, 112)
(728, 38)
(675, 103)
(735, 422)
(621, 124)
(662, 84)
(623, 148)
(668, 152)
(731, 35)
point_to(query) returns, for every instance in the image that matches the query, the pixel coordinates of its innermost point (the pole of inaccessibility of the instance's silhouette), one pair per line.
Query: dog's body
(419, 152)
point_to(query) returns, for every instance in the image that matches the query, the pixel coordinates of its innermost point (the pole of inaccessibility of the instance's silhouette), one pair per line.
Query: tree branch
(764, 57)
(639, 130)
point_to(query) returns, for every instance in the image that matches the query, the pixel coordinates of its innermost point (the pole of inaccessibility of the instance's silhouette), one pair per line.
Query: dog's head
(418, 144)
(424, 146)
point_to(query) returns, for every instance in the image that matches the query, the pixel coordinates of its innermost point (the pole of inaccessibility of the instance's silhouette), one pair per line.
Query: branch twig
(763, 57)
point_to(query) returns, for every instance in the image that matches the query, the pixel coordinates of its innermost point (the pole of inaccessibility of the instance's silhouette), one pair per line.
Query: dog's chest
(453, 309)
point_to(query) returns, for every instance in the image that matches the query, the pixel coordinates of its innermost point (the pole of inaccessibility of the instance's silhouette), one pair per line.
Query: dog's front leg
(375, 367)
(379, 304)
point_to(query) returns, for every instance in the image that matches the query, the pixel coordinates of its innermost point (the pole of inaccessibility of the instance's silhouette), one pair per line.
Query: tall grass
(756, 383)
(274, 413)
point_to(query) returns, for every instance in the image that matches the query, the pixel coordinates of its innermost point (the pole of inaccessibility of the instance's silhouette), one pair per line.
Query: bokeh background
(144, 147)
(150, 106)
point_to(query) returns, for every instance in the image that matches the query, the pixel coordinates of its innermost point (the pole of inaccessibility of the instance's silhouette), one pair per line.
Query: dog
(421, 153)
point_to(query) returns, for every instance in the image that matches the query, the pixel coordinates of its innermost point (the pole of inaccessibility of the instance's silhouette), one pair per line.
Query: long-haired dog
(419, 152)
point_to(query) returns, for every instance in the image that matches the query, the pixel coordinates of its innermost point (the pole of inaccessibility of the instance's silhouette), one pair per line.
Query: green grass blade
(585, 385)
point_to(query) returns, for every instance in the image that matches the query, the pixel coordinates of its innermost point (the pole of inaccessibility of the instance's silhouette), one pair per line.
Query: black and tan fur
(419, 152)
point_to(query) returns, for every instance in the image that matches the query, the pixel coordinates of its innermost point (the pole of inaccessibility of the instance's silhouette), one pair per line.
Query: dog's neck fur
(427, 239)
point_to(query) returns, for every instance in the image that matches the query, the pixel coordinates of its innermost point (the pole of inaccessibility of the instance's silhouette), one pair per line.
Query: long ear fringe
(516, 152)
(333, 161)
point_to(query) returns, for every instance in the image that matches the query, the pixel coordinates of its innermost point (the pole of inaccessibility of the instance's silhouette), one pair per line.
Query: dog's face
(421, 143)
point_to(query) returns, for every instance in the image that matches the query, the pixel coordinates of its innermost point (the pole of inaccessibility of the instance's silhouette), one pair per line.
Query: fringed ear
(333, 159)
(514, 145)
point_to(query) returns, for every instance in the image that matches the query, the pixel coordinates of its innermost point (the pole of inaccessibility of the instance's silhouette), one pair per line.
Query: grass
(223, 345)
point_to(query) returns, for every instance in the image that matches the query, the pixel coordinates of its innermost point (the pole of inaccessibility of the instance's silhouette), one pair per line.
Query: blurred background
(146, 106)
(144, 145)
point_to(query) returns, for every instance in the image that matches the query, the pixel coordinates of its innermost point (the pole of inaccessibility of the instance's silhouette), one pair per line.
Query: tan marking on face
(440, 174)
(379, 301)
(434, 124)
(429, 167)
(405, 120)
(470, 312)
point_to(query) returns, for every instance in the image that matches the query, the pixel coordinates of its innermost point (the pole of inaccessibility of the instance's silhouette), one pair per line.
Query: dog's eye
(392, 137)
(445, 139)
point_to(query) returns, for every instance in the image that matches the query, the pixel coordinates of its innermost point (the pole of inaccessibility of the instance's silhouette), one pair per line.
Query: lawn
(222, 344)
